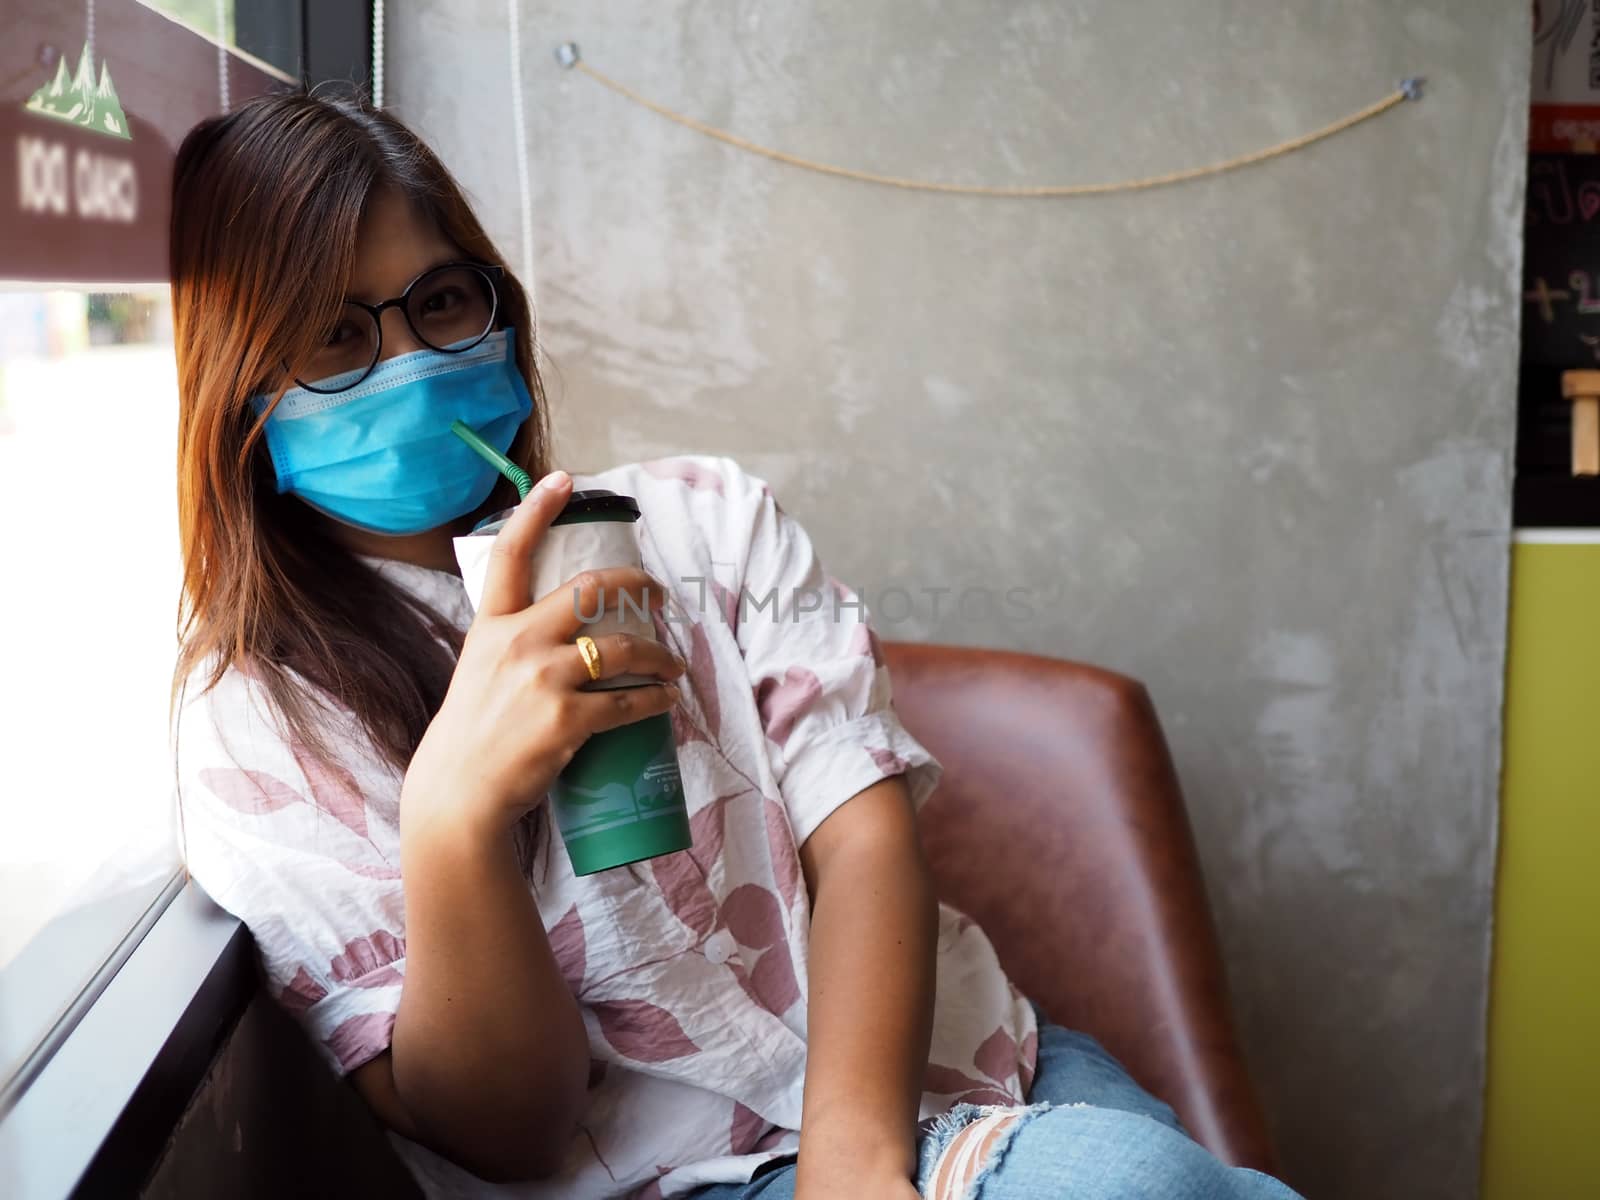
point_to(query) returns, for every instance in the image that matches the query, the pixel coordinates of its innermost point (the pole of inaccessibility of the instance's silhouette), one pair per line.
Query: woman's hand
(514, 715)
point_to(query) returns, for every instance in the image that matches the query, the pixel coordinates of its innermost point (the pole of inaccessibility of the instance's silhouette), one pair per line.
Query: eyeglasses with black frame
(450, 308)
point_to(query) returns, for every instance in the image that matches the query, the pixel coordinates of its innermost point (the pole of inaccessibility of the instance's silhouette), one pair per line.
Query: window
(269, 32)
(88, 522)
(88, 529)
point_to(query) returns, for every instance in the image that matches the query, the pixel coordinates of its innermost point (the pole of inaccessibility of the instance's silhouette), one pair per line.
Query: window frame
(93, 1115)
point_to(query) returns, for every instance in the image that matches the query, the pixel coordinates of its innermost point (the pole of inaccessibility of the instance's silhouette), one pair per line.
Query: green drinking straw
(499, 461)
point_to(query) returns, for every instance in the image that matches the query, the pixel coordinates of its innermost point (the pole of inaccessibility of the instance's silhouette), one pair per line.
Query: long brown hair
(266, 203)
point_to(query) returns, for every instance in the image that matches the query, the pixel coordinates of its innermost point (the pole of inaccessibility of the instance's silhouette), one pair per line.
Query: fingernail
(554, 480)
(673, 693)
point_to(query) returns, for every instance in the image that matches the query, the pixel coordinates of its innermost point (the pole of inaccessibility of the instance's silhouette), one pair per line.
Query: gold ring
(591, 655)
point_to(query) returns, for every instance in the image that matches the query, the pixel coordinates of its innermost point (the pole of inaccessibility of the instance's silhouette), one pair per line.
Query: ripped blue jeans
(1089, 1133)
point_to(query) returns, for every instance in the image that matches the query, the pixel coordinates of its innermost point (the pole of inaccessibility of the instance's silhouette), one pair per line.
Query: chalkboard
(1560, 331)
(1561, 267)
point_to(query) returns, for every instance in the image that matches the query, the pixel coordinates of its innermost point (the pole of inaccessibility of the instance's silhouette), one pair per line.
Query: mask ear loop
(256, 437)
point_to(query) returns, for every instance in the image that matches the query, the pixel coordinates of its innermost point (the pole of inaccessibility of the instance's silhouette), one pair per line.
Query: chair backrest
(1060, 828)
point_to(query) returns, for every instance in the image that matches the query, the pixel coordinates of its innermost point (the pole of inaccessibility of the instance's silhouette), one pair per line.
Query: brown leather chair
(1060, 828)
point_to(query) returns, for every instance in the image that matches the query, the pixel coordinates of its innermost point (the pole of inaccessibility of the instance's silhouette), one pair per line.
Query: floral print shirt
(690, 969)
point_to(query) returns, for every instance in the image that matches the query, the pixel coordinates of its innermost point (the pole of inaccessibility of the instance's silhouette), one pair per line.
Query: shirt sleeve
(817, 667)
(295, 851)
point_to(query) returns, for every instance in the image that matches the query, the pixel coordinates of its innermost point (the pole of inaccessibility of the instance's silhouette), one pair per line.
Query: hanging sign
(94, 101)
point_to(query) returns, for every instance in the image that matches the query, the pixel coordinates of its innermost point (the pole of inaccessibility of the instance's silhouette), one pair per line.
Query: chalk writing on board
(1549, 197)
(1545, 297)
(1558, 317)
(1561, 261)
(1587, 303)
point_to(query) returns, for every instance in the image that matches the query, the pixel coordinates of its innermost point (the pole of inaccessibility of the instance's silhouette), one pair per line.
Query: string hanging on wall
(519, 123)
(378, 47)
(1410, 89)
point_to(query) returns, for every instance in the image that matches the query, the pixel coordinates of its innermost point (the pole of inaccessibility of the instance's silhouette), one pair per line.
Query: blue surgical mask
(381, 456)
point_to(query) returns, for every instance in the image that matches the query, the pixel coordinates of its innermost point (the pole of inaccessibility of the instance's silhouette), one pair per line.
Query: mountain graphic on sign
(81, 100)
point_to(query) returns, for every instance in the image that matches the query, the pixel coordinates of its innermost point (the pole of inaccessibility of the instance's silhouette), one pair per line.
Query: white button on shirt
(690, 969)
(719, 947)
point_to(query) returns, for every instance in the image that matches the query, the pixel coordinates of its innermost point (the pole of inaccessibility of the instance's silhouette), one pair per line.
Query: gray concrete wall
(1247, 439)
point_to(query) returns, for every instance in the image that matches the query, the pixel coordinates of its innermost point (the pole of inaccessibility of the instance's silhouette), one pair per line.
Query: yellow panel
(1542, 1134)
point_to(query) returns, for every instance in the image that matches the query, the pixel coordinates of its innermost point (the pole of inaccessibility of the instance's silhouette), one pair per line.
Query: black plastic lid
(600, 504)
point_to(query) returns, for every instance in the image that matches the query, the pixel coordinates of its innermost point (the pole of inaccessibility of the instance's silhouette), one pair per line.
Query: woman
(363, 760)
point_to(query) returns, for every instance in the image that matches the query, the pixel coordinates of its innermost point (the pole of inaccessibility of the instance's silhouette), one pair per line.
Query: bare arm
(489, 1057)
(874, 927)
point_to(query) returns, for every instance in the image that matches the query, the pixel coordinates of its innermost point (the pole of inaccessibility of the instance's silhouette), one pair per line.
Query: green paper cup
(620, 799)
